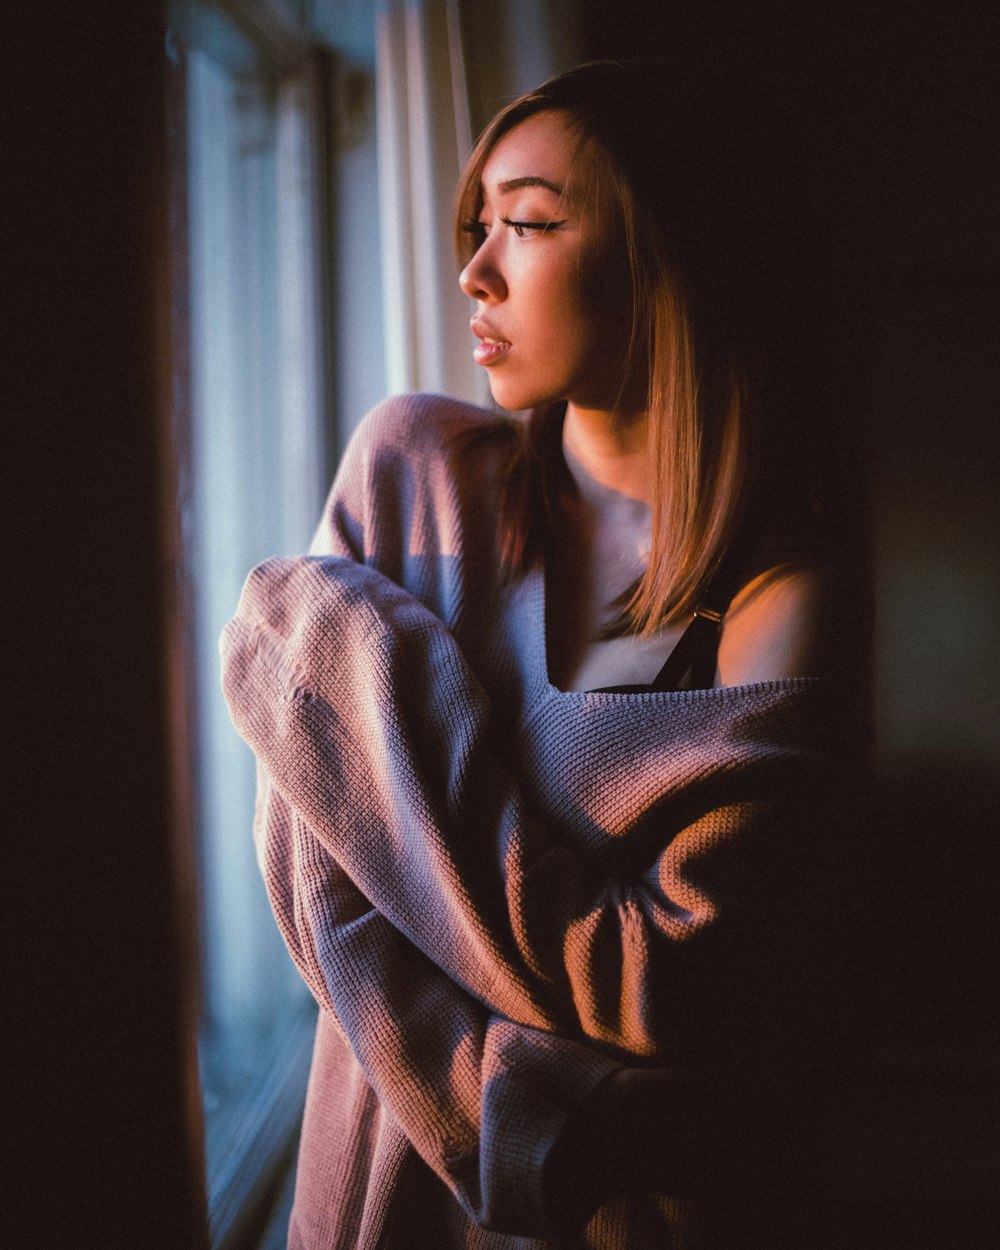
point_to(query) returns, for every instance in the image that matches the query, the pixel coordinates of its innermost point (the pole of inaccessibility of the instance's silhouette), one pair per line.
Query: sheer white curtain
(431, 55)
(250, 227)
(424, 136)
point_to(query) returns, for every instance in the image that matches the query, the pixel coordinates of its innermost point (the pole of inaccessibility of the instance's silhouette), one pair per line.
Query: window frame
(250, 1142)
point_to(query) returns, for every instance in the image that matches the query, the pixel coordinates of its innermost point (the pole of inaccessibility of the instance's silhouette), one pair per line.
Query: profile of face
(548, 275)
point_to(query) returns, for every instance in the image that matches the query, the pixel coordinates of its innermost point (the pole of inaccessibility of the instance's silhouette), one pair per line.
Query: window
(272, 139)
(248, 213)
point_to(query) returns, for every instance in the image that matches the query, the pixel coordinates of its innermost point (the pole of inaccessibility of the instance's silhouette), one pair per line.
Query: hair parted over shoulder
(680, 171)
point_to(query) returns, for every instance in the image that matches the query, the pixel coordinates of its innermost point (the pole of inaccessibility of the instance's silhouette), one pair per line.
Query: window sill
(249, 1141)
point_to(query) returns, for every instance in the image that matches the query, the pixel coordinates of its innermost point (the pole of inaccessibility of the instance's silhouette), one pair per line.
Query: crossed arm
(491, 975)
(466, 950)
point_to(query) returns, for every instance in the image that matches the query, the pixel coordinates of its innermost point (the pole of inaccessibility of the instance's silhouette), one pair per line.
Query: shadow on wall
(915, 1143)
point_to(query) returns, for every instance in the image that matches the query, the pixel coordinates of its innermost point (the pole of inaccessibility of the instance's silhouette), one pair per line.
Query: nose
(481, 278)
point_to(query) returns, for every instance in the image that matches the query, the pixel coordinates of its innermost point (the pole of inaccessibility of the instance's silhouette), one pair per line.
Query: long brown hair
(696, 317)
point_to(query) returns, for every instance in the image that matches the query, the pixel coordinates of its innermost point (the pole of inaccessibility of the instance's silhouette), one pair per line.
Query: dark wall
(100, 1134)
(890, 114)
(888, 119)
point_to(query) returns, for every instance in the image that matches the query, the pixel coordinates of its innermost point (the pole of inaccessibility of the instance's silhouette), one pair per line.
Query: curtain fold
(423, 140)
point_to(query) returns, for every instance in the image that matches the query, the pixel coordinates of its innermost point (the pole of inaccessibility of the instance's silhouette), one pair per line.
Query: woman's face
(548, 276)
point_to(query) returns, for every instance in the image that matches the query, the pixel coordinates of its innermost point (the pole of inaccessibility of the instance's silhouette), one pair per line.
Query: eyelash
(520, 228)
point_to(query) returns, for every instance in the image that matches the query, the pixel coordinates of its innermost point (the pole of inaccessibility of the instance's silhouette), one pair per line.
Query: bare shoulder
(789, 621)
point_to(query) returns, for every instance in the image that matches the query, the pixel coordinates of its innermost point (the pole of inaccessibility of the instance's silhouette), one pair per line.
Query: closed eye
(525, 228)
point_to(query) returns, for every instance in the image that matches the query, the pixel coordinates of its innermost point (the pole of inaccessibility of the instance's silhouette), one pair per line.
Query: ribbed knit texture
(498, 891)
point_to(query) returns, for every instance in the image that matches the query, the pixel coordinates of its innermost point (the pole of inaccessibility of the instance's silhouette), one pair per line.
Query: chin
(518, 398)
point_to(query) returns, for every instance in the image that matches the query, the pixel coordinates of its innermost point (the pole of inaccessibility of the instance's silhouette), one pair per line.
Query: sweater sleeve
(481, 1098)
(346, 686)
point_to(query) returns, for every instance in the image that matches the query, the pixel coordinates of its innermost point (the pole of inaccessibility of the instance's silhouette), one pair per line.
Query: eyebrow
(515, 184)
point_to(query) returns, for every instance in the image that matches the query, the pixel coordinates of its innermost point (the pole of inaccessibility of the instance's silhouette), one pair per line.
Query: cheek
(573, 311)
(606, 296)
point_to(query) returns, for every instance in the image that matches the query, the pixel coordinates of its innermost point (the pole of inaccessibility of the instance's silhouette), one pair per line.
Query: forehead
(545, 146)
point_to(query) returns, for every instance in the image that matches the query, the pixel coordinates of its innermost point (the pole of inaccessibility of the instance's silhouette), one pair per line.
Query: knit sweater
(499, 892)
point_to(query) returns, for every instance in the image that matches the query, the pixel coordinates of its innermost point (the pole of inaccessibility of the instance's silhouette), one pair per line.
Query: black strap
(696, 651)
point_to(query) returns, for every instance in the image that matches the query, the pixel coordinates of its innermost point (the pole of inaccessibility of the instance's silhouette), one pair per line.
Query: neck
(607, 452)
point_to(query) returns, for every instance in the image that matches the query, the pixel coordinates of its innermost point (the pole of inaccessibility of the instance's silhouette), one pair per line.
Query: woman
(541, 833)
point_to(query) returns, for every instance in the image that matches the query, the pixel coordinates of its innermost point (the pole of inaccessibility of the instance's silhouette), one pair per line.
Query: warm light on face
(546, 273)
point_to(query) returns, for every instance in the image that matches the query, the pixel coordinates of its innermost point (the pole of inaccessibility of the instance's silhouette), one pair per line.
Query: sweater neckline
(547, 690)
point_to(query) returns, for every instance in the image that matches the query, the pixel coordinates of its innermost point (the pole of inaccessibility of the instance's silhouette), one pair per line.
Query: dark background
(896, 109)
(888, 118)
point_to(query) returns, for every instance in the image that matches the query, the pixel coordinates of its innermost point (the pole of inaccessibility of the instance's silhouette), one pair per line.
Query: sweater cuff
(536, 1081)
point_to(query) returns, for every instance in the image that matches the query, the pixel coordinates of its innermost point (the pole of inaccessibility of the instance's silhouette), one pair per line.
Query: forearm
(530, 1131)
(368, 785)
(482, 1099)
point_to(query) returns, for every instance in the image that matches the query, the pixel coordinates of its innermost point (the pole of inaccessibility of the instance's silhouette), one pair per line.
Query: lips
(492, 346)
(489, 353)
